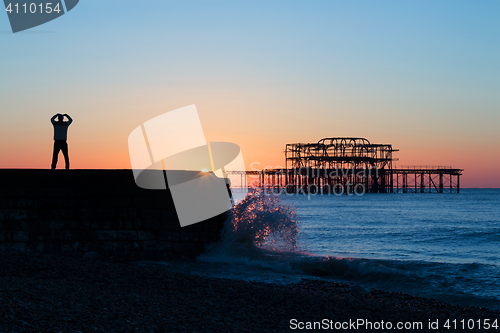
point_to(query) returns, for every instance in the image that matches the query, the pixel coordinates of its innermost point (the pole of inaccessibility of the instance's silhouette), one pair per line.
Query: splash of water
(261, 219)
(257, 237)
(260, 222)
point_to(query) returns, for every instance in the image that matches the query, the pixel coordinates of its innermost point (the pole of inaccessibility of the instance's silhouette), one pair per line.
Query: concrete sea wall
(102, 211)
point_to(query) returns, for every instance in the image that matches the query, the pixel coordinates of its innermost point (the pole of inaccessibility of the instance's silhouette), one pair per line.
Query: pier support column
(415, 181)
(397, 183)
(383, 183)
(392, 182)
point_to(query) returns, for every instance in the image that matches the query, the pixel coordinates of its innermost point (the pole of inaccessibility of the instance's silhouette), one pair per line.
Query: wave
(260, 243)
(260, 220)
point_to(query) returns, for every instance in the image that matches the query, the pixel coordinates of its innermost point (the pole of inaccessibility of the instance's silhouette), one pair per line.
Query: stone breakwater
(101, 211)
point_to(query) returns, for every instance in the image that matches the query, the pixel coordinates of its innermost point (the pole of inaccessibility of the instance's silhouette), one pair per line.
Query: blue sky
(423, 75)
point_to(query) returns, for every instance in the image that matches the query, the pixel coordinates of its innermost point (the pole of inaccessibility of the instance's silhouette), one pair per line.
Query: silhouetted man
(60, 137)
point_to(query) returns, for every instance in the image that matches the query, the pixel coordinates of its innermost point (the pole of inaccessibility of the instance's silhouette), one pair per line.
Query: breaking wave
(260, 243)
(261, 220)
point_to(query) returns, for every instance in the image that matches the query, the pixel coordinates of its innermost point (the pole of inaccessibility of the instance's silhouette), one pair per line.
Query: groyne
(95, 211)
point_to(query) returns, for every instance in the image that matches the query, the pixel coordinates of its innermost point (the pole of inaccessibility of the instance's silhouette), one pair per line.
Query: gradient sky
(422, 75)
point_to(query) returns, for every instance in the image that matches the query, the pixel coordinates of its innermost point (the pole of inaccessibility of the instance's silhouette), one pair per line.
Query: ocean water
(443, 246)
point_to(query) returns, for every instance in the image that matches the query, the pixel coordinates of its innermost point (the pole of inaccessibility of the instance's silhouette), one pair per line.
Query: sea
(444, 246)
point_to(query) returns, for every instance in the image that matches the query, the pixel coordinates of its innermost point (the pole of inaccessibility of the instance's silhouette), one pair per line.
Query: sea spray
(259, 233)
(262, 220)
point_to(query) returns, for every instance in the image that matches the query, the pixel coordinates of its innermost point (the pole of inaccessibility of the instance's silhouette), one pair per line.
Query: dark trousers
(60, 145)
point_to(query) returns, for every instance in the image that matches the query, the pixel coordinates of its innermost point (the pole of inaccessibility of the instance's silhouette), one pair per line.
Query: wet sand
(53, 293)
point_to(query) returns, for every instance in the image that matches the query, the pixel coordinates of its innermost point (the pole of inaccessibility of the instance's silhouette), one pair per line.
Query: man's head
(60, 117)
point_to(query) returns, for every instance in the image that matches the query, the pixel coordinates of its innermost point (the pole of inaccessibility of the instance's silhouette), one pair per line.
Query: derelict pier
(353, 165)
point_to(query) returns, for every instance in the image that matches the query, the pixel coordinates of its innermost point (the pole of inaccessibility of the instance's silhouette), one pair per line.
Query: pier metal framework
(422, 179)
(353, 165)
(339, 153)
(341, 163)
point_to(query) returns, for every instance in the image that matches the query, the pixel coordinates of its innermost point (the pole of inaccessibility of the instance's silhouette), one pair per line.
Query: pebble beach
(55, 293)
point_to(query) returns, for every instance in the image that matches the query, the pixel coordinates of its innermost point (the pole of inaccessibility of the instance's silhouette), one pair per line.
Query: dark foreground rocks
(49, 293)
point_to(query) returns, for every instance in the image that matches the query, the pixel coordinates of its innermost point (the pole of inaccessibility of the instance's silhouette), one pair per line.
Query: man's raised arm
(70, 120)
(53, 119)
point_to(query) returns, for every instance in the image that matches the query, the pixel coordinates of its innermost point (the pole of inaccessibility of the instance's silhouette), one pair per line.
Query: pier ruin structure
(353, 165)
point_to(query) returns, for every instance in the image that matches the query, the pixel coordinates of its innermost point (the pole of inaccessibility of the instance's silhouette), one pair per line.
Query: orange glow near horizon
(99, 139)
(257, 155)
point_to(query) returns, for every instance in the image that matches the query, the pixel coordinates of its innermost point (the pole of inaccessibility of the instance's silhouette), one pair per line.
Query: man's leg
(64, 148)
(54, 154)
